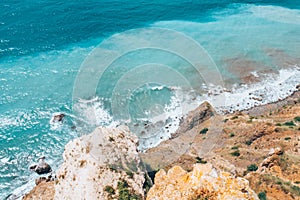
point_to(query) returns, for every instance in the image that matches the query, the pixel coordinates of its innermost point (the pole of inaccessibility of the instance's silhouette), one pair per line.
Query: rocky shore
(251, 154)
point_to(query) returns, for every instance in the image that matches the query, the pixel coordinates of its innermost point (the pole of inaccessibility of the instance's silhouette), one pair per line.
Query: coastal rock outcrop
(203, 182)
(42, 167)
(43, 191)
(194, 118)
(42, 179)
(266, 137)
(102, 165)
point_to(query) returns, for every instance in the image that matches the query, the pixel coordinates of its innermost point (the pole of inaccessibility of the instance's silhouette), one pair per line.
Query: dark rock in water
(257, 98)
(11, 197)
(42, 167)
(58, 117)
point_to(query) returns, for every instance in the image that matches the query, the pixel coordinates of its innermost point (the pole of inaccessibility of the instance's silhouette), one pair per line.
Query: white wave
(19, 192)
(7, 121)
(91, 112)
(270, 90)
(276, 13)
(164, 125)
(23, 118)
(157, 88)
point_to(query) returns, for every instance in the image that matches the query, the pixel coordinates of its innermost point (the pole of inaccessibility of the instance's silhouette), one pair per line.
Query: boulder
(272, 158)
(42, 167)
(276, 151)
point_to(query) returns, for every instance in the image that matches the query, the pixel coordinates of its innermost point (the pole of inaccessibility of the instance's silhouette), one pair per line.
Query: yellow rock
(203, 182)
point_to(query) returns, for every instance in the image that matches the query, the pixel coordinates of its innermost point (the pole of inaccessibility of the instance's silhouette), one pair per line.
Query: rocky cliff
(260, 145)
(203, 182)
(102, 165)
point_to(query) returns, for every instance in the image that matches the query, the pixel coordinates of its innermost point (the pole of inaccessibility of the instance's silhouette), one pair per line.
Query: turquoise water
(43, 44)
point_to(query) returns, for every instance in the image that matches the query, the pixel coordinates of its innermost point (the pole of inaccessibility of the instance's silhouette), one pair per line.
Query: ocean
(145, 57)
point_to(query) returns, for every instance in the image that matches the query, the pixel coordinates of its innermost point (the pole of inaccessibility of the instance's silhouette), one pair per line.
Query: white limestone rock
(100, 160)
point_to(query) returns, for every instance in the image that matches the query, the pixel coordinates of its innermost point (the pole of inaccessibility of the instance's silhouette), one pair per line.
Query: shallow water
(44, 44)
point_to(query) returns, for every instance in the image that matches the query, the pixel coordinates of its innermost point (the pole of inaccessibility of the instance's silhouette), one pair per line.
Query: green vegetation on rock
(252, 167)
(124, 193)
(297, 119)
(200, 160)
(236, 153)
(234, 117)
(262, 196)
(204, 131)
(291, 123)
(109, 190)
(285, 186)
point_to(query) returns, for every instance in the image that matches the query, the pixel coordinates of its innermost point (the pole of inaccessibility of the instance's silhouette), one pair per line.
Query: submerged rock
(11, 197)
(42, 167)
(58, 117)
(204, 182)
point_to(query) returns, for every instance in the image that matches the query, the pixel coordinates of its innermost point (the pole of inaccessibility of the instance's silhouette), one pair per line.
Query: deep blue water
(43, 43)
(33, 26)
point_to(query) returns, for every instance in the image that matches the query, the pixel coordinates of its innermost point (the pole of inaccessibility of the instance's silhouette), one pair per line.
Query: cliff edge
(203, 182)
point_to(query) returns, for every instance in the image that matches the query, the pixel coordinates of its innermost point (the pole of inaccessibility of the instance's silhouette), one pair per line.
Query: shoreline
(275, 88)
(257, 110)
(235, 141)
(253, 49)
(272, 88)
(272, 106)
